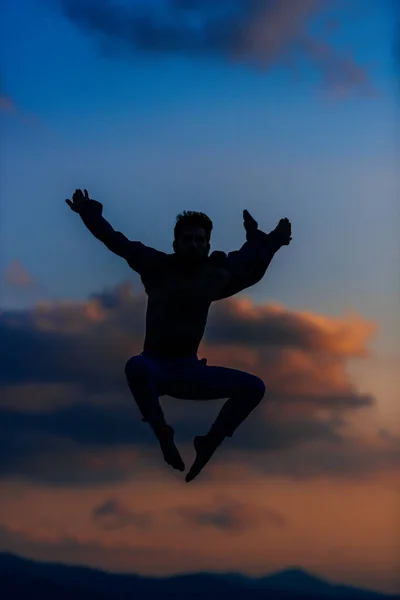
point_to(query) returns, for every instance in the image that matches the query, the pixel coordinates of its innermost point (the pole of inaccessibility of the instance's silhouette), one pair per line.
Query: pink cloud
(260, 34)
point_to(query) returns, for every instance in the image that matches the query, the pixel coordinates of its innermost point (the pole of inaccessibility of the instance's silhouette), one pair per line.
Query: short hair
(190, 218)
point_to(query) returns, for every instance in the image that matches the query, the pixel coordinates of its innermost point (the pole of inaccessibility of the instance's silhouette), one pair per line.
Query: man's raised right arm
(135, 253)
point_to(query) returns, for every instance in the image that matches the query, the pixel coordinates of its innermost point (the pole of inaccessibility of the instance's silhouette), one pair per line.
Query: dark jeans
(150, 377)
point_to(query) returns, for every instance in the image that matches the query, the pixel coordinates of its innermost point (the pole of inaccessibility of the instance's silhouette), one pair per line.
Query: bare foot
(204, 451)
(170, 451)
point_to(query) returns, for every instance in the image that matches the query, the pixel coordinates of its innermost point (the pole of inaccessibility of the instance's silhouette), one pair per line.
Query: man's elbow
(117, 243)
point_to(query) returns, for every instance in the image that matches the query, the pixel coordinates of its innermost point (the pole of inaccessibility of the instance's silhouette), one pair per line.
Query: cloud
(354, 457)
(67, 417)
(68, 338)
(230, 515)
(16, 275)
(111, 514)
(262, 34)
(222, 513)
(27, 455)
(242, 322)
(89, 342)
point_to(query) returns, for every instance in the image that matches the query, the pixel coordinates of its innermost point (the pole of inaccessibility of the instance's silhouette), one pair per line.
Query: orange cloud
(242, 320)
(72, 396)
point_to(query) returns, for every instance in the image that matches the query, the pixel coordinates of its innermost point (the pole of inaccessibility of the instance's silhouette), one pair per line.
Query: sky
(286, 109)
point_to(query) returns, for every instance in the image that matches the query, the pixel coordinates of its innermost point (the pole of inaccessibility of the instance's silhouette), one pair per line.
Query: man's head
(192, 234)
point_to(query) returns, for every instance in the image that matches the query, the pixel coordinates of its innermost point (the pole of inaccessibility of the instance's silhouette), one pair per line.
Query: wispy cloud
(261, 34)
(229, 515)
(222, 513)
(112, 514)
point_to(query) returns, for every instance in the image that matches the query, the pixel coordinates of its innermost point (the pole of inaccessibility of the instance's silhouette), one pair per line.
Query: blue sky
(152, 133)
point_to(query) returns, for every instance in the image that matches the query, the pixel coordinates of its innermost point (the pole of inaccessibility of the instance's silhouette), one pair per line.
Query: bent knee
(257, 387)
(135, 367)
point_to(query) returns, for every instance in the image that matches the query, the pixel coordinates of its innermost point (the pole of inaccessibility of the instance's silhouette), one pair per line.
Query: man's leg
(200, 382)
(142, 381)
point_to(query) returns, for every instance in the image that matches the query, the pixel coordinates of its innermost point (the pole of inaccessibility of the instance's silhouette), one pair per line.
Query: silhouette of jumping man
(181, 287)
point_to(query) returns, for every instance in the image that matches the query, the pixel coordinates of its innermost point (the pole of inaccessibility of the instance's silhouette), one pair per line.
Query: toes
(175, 462)
(178, 466)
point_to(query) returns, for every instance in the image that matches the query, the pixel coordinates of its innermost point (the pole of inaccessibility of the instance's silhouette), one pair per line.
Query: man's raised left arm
(248, 265)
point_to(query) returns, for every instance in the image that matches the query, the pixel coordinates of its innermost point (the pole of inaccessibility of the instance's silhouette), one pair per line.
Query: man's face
(192, 244)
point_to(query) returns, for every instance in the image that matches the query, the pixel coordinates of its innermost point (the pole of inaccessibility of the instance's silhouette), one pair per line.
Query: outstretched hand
(249, 223)
(79, 199)
(282, 232)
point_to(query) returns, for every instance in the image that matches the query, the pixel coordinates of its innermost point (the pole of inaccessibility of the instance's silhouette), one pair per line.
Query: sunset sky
(283, 108)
